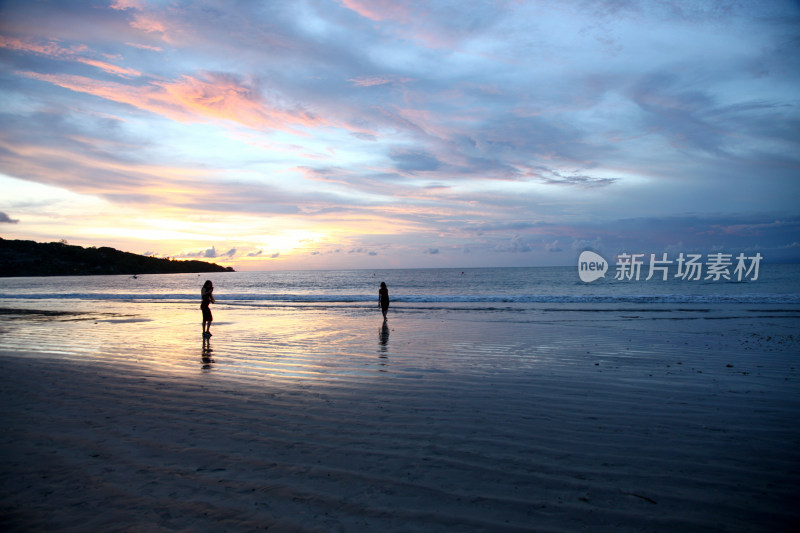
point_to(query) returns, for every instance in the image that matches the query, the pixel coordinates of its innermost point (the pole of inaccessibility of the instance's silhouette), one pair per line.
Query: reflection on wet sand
(208, 362)
(383, 336)
(475, 408)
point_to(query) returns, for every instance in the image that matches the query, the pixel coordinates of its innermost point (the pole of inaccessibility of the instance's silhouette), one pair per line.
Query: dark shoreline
(20, 258)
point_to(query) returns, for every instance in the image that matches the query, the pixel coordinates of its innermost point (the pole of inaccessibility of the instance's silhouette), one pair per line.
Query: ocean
(292, 324)
(476, 288)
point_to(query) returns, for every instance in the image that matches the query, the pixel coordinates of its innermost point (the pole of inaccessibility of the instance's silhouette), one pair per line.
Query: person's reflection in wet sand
(383, 338)
(208, 362)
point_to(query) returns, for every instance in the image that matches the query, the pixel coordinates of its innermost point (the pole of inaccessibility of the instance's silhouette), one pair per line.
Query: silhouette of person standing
(206, 293)
(383, 299)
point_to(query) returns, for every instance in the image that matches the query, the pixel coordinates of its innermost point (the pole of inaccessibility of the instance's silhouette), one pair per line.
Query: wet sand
(322, 420)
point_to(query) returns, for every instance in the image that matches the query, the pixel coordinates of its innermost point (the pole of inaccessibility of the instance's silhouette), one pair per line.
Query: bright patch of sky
(316, 134)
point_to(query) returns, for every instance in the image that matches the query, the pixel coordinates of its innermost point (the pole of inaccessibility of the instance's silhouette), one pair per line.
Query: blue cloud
(494, 127)
(5, 219)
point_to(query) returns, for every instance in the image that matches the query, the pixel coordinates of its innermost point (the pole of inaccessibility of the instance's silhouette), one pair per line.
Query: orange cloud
(190, 99)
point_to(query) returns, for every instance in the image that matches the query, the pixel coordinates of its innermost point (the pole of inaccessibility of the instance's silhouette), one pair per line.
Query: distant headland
(29, 258)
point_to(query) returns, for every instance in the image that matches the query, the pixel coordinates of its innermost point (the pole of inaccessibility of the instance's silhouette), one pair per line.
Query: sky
(313, 134)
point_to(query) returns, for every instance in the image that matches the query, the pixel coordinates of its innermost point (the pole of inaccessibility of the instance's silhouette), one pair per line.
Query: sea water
(477, 287)
(327, 324)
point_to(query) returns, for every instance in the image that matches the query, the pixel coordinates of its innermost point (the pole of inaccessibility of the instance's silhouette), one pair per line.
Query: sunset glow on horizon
(375, 134)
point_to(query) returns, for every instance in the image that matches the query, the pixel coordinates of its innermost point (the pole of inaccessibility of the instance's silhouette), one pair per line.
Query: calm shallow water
(482, 287)
(325, 325)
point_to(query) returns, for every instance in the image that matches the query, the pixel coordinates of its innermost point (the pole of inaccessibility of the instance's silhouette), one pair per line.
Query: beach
(321, 419)
(490, 400)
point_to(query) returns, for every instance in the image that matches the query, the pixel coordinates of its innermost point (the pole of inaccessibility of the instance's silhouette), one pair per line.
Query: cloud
(435, 25)
(142, 46)
(517, 244)
(120, 172)
(414, 161)
(259, 253)
(362, 250)
(143, 18)
(5, 219)
(515, 225)
(126, 4)
(579, 245)
(209, 253)
(372, 81)
(364, 136)
(209, 97)
(751, 229)
(505, 126)
(48, 48)
(378, 10)
(76, 53)
(553, 246)
(577, 180)
(677, 113)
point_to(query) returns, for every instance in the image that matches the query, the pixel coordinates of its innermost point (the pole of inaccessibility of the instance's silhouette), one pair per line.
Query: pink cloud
(150, 24)
(51, 49)
(408, 20)
(146, 47)
(223, 97)
(111, 68)
(126, 4)
(141, 19)
(190, 99)
(378, 10)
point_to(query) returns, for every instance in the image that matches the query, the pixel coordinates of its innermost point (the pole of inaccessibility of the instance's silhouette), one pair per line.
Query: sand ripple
(323, 421)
